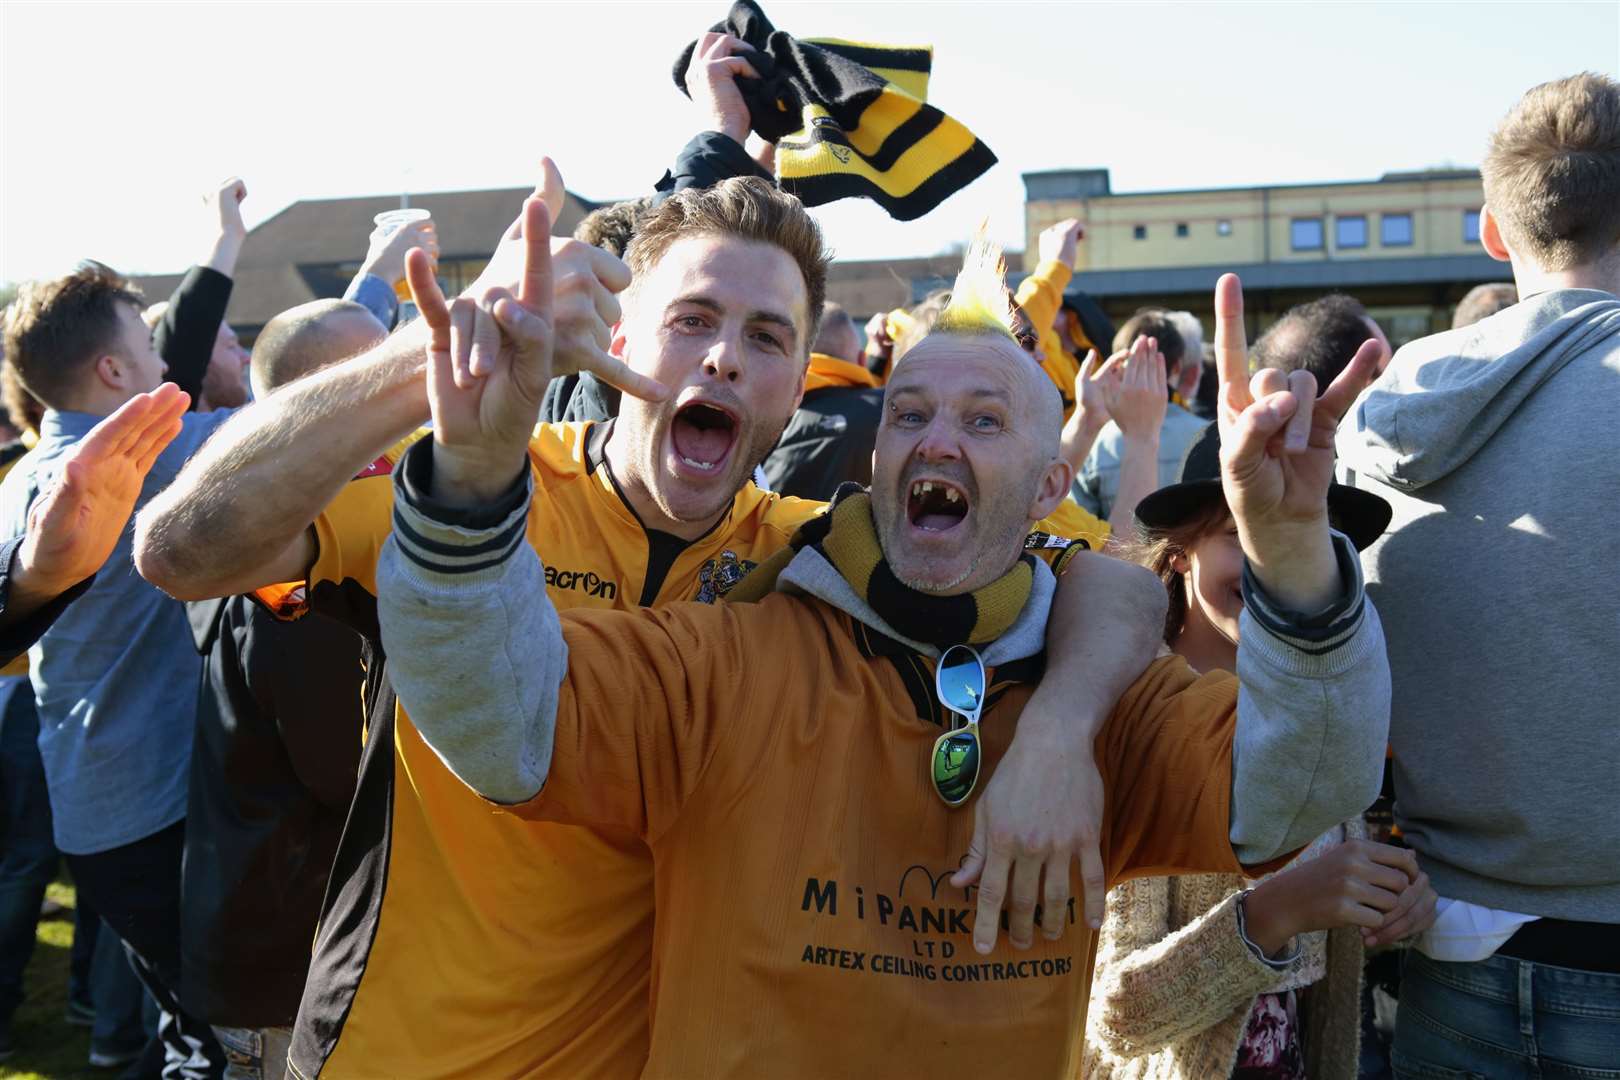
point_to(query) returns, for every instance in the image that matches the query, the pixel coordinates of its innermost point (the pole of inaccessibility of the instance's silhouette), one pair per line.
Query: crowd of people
(632, 666)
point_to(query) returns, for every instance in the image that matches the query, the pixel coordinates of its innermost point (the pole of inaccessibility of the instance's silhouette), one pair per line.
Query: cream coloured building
(1406, 244)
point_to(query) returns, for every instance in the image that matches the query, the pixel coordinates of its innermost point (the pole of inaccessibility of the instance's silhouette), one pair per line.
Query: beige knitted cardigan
(1174, 985)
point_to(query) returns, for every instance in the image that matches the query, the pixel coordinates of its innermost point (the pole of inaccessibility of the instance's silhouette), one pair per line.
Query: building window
(1181, 230)
(1223, 228)
(1470, 226)
(1396, 230)
(1140, 232)
(1306, 234)
(1350, 232)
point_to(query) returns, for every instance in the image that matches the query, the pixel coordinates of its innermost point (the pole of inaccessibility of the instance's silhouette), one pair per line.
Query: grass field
(48, 1046)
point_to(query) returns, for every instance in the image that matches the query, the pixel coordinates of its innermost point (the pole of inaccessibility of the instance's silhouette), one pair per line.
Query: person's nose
(725, 360)
(938, 442)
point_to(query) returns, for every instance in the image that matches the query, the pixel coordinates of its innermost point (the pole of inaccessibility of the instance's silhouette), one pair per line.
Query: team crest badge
(719, 576)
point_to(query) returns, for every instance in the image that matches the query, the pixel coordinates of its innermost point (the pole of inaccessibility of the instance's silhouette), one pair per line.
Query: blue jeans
(28, 857)
(1505, 1019)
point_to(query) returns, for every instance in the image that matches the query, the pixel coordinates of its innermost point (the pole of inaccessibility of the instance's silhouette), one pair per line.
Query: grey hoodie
(1499, 584)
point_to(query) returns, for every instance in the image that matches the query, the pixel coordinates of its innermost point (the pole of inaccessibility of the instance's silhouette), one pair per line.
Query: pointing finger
(428, 297)
(610, 368)
(534, 288)
(1231, 341)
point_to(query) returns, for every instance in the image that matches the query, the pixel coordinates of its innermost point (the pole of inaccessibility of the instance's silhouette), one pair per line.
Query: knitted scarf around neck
(847, 537)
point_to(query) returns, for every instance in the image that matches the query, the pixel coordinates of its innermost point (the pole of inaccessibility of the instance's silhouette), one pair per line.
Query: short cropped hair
(55, 330)
(1320, 337)
(1552, 172)
(1483, 301)
(1155, 323)
(611, 228)
(304, 339)
(747, 207)
(24, 408)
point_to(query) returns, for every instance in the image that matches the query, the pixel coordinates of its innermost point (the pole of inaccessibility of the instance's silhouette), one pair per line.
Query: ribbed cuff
(1316, 633)
(450, 545)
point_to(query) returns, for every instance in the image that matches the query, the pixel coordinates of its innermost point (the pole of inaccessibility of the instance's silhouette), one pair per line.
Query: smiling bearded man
(786, 804)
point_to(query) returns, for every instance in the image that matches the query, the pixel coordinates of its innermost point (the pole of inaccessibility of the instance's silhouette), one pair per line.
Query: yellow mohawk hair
(979, 303)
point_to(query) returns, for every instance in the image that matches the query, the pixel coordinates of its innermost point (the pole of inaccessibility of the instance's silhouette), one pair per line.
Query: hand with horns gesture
(490, 358)
(1277, 459)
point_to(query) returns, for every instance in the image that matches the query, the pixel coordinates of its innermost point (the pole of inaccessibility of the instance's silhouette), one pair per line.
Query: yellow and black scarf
(847, 537)
(850, 119)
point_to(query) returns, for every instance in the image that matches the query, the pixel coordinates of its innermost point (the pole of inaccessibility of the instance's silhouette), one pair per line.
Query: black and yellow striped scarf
(850, 119)
(847, 537)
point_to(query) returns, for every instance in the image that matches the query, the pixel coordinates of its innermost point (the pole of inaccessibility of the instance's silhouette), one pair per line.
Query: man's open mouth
(935, 505)
(703, 435)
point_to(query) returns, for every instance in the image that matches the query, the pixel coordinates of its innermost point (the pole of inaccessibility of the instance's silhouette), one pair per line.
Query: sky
(115, 118)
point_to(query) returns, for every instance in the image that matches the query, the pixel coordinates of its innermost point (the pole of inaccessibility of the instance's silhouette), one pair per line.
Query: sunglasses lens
(956, 765)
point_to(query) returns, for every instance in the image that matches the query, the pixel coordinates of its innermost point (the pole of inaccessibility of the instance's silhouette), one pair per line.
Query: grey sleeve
(1313, 717)
(475, 648)
(1087, 487)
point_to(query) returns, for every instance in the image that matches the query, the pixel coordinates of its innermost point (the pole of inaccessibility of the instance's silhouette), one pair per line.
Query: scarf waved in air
(847, 537)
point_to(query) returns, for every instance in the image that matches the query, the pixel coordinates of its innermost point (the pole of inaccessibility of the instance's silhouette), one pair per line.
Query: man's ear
(112, 371)
(1181, 564)
(1490, 236)
(1054, 488)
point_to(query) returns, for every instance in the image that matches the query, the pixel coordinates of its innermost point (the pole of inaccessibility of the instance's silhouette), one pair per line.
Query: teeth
(704, 465)
(950, 494)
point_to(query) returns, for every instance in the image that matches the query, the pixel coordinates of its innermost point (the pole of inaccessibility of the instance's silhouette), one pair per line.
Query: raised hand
(385, 256)
(711, 79)
(74, 526)
(1060, 242)
(1277, 457)
(584, 308)
(227, 232)
(1138, 399)
(226, 203)
(486, 375)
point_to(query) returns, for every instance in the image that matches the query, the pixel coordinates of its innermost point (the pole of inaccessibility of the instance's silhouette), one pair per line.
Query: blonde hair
(979, 301)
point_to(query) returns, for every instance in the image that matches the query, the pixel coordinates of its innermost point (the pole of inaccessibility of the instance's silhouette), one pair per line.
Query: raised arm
(73, 527)
(236, 518)
(1313, 708)
(1139, 400)
(185, 335)
(447, 577)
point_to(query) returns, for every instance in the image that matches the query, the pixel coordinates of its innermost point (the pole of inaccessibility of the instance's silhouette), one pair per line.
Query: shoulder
(559, 450)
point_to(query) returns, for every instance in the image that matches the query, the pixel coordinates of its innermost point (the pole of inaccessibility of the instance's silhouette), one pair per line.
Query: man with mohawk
(808, 922)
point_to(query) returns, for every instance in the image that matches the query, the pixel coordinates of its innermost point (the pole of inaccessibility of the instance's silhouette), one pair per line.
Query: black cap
(1360, 515)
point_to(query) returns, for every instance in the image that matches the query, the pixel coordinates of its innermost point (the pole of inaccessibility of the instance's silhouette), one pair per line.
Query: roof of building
(1311, 274)
(1049, 180)
(298, 254)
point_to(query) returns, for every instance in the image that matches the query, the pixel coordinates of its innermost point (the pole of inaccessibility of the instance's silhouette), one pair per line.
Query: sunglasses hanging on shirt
(959, 681)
